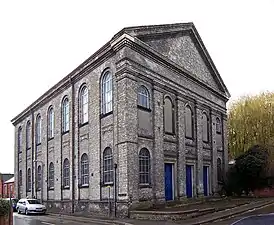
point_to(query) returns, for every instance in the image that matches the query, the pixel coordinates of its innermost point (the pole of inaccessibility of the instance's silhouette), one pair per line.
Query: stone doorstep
(77, 218)
(227, 213)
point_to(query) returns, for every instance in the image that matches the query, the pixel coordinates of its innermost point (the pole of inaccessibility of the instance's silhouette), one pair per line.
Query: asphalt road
(263, 216)
(19, 219)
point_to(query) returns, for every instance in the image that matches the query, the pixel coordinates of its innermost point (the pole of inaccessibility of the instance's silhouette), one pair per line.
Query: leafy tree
(250, 122)
(4, 207)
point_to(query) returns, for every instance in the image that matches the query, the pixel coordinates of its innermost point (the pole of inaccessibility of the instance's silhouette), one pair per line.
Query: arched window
(188, 122)
(205, 127)
(168, 116)
(20, 178)
(51, 123)
(51, 175)
(39, 177)
(38, 129)
(65, 115)
(84, 170)
(29, 180)
(218, 126)
(28, 135)
(108, 166)
(144, 166)
(66, 180)
(83, 105)
(143, 97)
(219, 171)
(19, 140)
(107, 93)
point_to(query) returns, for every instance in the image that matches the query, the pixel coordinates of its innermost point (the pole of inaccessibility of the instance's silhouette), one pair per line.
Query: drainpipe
(73, 142)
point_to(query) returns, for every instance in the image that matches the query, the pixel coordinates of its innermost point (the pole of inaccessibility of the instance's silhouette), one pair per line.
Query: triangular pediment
(182, 44)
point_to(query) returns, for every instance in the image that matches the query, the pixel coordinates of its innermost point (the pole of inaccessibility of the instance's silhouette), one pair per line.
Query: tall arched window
(218, 126)
(65, 115)
(168, 116)
(28, 135)
(106, 93)
(66, 180)
(51, 123)
(84, 170)
(189, 122)
(219, 171)
(38, 129)
(144, 166)
(205, 127)
(51, 175)
(19, 144)
(20, 178)
(39, 177)
(29, 180)
(84, 105)
(108, 166)
(143, 97)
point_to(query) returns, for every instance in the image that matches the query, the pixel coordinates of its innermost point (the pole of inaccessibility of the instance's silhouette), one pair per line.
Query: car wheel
(26, 212)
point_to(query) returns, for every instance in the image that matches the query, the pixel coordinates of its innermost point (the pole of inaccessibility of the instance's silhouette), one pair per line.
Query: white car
(29, 206)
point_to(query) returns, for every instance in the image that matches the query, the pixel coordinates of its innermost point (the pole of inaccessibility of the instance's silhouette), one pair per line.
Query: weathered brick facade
(170, 61)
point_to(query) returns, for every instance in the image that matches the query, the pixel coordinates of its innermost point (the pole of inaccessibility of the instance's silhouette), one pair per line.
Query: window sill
(37, 144)
(189, 138)
(83, 124)
(50, 138)
(51, 188)
(83, 186)
(107, 184)
(38, 189)
(170, 133)
(28, 148)
(145, 186)
(65, 187)
(143, 108)
(106, 114)
(218, 132)
(65, 132)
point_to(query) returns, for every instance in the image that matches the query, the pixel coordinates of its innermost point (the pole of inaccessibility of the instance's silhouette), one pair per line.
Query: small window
(66, 180)
(28, 135)
(20, 140)
(108, 166)
(106, 93)
(51, 175)
(219, 171)
(205, 127)
(29, 180)
(84, 170)
(39, 177)
(84, 105)
(144, 167)
(168, 116)
(189, 123)
(218, 126)
(51, 123)
(65, 115)
(38, 129)
(143, 97)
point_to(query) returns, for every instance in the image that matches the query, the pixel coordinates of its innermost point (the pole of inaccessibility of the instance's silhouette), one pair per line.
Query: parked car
(29, 206)
(13, 202)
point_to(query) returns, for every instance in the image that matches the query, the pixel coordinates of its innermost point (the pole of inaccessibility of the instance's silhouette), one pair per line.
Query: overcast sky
(42, 41)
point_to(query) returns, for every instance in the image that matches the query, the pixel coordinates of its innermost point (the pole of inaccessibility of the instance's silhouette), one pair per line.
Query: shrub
(4, 207)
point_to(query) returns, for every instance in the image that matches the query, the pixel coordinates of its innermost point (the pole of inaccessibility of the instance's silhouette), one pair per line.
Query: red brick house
(8, 188)
(4, 177)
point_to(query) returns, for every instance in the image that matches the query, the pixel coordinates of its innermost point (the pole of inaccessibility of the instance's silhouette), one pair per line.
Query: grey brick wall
(127, 130)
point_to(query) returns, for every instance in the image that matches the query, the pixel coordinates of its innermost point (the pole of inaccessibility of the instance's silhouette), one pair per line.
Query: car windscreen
(33, 201)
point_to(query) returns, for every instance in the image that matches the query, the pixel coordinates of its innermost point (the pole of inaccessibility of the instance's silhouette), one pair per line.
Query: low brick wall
(265, 192)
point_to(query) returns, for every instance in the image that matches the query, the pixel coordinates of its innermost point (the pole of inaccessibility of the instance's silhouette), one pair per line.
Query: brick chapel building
(143, 120)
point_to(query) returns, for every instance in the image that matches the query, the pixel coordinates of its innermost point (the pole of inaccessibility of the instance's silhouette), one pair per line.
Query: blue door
(168, 182)
(189, 189)
(205, 180)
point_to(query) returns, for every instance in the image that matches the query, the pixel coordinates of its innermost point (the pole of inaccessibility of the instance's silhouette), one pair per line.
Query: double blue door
(168, 181)
(205, 180)
(189, 186)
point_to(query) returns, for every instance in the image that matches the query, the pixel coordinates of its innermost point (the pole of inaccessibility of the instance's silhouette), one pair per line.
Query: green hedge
(4, 207)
